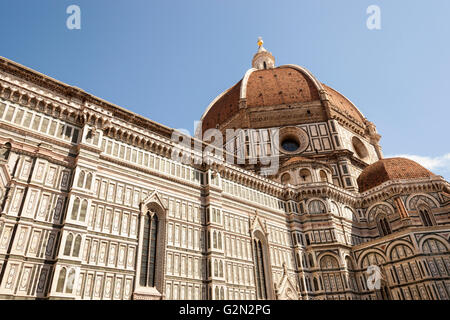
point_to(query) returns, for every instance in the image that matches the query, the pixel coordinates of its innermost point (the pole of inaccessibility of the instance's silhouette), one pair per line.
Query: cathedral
(94, 205)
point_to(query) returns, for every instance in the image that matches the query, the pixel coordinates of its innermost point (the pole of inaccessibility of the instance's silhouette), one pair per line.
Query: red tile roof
(343, 104)
(272, 87)
(277, 86)
(390, 169)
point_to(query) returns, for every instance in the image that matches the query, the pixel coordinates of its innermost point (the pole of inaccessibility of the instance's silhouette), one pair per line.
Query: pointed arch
(413, 199)
(70, 281)
(88, 181)
(75, 208)
(216, 268)
(61, 280)
(221, 269)
(425, 214)
(83, 210)
(219, 240)
(215, 239)
(151, 253)
(262, 265)
(316, 284)
(77, 246)
(323, 176)
(148, 262)
(81, 179)
(68, 245)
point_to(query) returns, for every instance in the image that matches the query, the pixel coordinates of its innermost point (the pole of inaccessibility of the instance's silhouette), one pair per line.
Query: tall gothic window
(260, 262)
(383, 226)
(148, 261)
(61, 280)
(425, 216)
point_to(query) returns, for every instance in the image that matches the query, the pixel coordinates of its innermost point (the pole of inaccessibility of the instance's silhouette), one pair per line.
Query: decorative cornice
(71, 94)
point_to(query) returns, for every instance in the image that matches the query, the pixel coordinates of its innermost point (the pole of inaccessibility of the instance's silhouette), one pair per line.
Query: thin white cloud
(439, 165)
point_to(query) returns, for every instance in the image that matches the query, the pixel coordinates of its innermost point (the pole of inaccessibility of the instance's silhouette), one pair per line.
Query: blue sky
(168, 59)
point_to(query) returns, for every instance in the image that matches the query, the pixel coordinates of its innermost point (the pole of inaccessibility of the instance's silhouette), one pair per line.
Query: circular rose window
(360, 148)
(293, 140)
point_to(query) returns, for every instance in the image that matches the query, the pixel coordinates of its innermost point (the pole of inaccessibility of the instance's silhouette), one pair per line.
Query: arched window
(77, 246)
(216, 268)
(75, 207)
(208, 239)
(260, 265)
(219, 240)
(305, 176)
(61, 280)
(311, 260)
(214, 239)
(68, 246)
(222, 294)
(323, 176)
(316, 207)
(426, 216)
(212, 214)
(299, 262)
(70, 281)
(83, 210)
(209, 268)
(149, 243)
(334, 208)
(221, 269)
(88, 181)
(308, 242)
(286, 178)
(316, 285)
(383, 226)
(81, 179)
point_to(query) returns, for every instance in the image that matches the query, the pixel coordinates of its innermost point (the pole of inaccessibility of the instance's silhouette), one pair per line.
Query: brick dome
(280, 86)
(390, 169)
(343, 105)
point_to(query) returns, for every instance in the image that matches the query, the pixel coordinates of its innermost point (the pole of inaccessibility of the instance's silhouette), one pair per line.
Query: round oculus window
(293, 140)
(290, 145)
